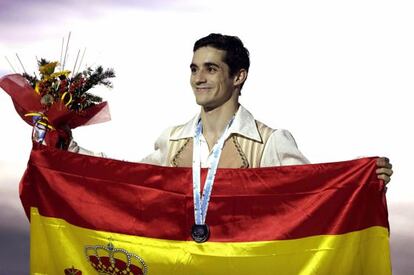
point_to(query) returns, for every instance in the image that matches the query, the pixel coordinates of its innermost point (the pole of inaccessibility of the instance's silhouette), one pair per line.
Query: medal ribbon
(201, 204)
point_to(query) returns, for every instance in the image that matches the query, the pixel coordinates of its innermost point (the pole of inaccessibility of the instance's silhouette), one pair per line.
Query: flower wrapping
(59, 118)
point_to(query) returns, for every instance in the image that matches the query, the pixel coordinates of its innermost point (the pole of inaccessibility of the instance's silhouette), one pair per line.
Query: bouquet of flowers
(58, 100)
(72, 91)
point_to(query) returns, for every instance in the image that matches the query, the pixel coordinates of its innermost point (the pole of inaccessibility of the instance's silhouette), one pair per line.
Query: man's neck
(215, 121)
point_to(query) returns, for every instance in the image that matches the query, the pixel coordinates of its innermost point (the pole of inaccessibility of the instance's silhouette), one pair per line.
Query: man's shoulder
(264, 131)
(263, 127)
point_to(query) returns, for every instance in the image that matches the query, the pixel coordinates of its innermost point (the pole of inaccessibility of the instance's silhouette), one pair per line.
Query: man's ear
(240, 77)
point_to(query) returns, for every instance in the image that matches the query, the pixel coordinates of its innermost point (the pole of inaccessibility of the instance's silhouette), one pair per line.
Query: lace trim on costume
(177, 155)
(240, 151)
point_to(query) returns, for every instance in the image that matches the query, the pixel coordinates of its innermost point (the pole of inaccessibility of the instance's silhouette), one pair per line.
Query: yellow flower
(55, 75)
(37, 88)
(62, 73)
(48, 69)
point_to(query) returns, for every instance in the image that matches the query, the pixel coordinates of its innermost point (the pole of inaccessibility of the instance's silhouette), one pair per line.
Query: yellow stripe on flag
(57, 245)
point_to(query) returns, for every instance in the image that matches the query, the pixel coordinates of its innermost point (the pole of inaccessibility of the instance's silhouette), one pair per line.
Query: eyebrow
(207, 64)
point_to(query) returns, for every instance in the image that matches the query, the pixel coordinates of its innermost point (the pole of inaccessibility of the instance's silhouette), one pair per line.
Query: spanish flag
(93, 215)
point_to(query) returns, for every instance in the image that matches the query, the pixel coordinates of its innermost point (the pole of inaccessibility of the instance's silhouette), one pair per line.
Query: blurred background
(337, 74)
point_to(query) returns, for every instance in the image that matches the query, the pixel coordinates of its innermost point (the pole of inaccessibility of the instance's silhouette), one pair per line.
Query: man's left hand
(384, 169)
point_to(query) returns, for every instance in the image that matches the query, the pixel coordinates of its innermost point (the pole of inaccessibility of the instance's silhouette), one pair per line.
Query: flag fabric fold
(94, 215)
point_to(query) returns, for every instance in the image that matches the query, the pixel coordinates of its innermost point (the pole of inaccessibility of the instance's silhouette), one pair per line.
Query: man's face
(210, 79)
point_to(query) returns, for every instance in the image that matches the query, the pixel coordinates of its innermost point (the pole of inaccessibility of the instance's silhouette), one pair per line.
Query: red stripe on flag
(259, 204)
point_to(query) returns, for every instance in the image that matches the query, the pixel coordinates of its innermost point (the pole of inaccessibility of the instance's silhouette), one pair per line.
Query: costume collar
(243, 124)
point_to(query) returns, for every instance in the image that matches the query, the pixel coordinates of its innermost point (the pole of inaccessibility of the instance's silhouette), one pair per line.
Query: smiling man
(219, 69)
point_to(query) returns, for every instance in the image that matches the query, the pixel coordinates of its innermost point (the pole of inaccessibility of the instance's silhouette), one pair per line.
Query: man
(219, 69)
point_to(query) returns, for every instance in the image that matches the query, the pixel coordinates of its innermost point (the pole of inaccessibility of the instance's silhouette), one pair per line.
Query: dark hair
(237, 56)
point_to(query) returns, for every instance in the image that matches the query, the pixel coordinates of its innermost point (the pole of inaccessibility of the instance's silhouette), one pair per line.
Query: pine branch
(93, 98)
(97, 77)
(31, 79)
(42, 62)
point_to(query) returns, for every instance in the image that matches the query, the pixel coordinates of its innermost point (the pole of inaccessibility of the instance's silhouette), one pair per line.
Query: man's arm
(281, 149)
(75, 148)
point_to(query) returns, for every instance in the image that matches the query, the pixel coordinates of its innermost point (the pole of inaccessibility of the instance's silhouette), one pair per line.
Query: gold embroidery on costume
(174, 161)
(241, 154)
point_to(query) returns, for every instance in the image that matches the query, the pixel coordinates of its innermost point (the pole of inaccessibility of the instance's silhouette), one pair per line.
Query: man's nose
(200, 77)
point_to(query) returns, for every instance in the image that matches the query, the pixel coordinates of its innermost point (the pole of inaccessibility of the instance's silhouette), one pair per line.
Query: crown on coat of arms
(110, 260)
(72, 271)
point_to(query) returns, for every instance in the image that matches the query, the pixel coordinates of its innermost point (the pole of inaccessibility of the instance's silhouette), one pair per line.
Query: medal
(200, 233)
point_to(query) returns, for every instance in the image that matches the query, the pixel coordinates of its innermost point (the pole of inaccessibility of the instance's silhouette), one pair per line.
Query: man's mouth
(202, 89)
